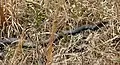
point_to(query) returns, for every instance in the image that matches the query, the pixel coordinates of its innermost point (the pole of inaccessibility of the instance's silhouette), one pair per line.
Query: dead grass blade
(2, 17)
(49, 48)
(18, 50)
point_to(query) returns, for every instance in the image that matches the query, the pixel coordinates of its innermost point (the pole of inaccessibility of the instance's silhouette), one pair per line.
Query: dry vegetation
(34, 19)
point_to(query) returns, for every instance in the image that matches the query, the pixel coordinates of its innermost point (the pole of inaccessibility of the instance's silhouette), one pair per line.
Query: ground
(39, 20)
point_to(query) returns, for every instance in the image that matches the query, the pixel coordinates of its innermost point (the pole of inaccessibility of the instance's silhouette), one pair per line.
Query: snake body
(8, 41)
(80, 29)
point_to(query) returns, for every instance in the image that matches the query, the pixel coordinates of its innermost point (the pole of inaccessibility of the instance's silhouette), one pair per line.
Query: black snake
(9, 41)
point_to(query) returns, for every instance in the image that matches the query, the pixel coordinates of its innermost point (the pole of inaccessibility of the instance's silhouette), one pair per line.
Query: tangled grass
(34, 18)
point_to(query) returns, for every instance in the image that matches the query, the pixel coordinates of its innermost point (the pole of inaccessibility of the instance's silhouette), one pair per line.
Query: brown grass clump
(35, 18)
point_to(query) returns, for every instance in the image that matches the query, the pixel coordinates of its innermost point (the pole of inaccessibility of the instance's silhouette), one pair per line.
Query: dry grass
(35, 17)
